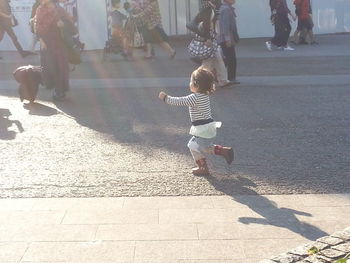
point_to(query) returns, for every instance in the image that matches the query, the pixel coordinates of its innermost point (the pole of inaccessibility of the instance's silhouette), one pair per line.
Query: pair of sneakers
(269, 47)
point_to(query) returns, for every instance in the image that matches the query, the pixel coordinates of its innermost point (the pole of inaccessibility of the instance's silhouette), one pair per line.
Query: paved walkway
(208, 229)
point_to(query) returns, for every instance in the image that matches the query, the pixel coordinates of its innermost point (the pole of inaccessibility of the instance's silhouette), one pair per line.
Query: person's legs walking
(14, 39)
(198, 157)
(166, 46)
(200, 146)
(61, 78)
(230, 61)
(18, 46)
(220, 69)
(285, 32)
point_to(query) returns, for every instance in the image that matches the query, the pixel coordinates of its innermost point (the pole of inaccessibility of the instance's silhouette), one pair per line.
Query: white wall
(92, 23)
(330, 16)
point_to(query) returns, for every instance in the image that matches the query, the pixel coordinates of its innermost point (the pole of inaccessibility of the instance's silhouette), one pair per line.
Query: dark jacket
(279, 7)
(227, 24)
(202, 23)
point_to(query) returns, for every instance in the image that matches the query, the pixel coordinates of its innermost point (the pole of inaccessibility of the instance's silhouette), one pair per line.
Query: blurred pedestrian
(118, 19)
(132, 35)
(280, 19)
(149, 15)
(203, 127)
(228, 37)
(304, 32)
(54, 59)
(7, 21)
(70, 6)
(204, 26)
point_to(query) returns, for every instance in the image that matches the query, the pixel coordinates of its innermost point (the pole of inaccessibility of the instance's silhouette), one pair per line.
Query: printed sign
(21, 6)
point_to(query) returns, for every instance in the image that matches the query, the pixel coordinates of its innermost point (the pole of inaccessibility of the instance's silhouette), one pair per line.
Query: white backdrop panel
(253, 20)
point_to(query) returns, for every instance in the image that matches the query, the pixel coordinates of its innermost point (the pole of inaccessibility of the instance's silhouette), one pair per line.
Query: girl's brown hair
(204, 80)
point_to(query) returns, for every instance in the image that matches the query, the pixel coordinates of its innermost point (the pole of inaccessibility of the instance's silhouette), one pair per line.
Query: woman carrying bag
(204, 46)
(153, 33)
(54, 58)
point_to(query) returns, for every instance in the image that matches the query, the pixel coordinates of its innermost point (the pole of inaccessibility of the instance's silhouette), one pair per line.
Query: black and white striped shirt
(198, 105)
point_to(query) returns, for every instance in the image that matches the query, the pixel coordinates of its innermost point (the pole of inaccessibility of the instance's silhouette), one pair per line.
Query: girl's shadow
(240, 189)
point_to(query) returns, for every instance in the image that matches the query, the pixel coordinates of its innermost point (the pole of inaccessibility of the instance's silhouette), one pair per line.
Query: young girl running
(203, 126)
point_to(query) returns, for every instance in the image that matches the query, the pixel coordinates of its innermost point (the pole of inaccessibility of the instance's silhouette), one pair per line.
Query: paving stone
(330, 248)
(345, 235)
(303, 250)
(343, 247)
(324, 258)
(315, 259)
(332, 253)
(287, 258)
(330, 240)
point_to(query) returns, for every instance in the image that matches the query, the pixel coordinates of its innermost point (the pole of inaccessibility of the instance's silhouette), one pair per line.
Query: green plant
(313, 250)
(345, 259)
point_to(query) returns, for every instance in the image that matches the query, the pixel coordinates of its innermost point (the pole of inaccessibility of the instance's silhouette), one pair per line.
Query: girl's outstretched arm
(189, 100)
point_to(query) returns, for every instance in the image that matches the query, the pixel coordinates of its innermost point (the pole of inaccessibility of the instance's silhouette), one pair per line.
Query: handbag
(73, 54)
(199, 51)
(72, 50)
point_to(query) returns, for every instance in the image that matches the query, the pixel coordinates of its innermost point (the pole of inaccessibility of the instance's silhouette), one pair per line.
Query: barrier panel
(330, 16)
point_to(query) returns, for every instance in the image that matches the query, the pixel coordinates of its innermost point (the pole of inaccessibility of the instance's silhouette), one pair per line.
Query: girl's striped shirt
(198, 105)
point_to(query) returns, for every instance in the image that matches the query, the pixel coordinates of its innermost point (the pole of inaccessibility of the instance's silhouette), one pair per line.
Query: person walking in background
(6, 25)
(280, 19)
(203, 127)
(204, 25)
(228, 37)
(118, 19)
(153, 33)
(71, 9)
(303, 11)
(54, 59)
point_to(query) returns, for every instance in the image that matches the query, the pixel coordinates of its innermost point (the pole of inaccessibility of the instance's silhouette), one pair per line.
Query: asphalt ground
(121, 140)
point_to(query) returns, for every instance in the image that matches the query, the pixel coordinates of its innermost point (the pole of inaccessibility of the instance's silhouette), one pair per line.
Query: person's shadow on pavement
(6, 123)
(271, 214)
